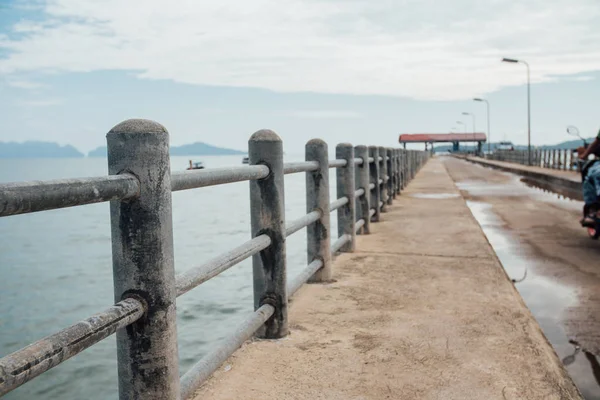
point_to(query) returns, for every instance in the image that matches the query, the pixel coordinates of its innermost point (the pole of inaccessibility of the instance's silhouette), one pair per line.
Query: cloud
(424, 49)
(324, 114)
(23, 83)
(40, 103)
(583, 78)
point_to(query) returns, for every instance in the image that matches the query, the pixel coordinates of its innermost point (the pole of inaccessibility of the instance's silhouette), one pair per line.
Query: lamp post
(473, 116)
(463, 124)
(488, 120)
(512, 60)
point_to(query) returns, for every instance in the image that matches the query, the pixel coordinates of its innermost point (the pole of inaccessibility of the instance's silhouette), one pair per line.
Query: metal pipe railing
(209, 364)
(23, 365)
(304, 276)
(185, 180)
(142, 246)
(338, 163)
(302, 222)
(306, 166)
(27, 197)
(338, 203)
(194, 277)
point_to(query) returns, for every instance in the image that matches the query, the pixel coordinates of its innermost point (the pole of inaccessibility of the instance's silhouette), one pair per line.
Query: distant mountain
(98, 152)
(202, 149)
(37, 150)
(194, 149)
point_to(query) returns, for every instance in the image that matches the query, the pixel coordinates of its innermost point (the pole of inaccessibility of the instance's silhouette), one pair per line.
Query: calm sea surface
(55, 269)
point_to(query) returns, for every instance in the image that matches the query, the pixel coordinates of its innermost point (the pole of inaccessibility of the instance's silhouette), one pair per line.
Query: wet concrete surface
(434, 195)
(555, 266)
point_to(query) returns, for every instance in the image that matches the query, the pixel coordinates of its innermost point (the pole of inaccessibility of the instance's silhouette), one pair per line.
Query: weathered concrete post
(362, 176)
(383, 175)
(391, 192)
(317, 198)
(143, 266)
(374, 179)
(346, 187)
(398, 171)
(267, 216)
(404, 168)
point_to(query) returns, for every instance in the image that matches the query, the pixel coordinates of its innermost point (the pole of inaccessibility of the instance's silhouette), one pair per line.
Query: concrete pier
(421, 310)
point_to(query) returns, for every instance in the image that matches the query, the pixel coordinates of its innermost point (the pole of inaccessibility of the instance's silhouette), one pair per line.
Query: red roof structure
(442, 137)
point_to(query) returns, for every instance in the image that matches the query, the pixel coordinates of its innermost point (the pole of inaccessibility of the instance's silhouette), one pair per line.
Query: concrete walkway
(422, 310)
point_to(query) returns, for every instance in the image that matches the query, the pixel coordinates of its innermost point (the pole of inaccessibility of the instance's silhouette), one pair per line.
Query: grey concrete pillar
(317, 198)
(374, 179)
(143, 266)
(391, 176)
(362, 178)
(383, 175)
(267, 216)
(346, 187)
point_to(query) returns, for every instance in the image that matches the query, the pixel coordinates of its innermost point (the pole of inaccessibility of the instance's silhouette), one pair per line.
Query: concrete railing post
(143, 266)
(383, 175)
(267, 216)
(396, 172)
(346, 187)
(391, 192)
(362, 177)
(374, 179)
(317, 198)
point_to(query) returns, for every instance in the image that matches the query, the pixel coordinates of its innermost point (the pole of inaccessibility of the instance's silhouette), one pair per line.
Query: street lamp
(488, 121)
(472, 115)
(463, 124)
(512, 60)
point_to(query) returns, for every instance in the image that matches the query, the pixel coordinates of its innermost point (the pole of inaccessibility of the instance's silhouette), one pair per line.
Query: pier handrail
(146, 287)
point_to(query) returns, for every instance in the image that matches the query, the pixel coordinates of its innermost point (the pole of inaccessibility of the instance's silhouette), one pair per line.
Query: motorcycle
(583, 166)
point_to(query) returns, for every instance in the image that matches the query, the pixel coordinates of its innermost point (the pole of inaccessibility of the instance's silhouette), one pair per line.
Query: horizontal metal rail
(380, 181)
(380, 158)
(27, 197)
(184, 180)
(371, 160)
(358, 161)
(371, 186)
(359, 192)
(302, 222)
(359, 224)
(372, 212)
(204, 368)
(342, 240)
(193, 277)
(338, 203)
(298, 281)
(25, 364)
(381, 203)
(306, 166)
(337, 163)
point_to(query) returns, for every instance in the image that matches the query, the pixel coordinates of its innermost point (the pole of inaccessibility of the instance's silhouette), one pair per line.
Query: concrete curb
(554, 183)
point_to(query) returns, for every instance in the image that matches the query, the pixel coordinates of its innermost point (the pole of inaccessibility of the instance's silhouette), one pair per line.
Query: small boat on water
(245, 160)
(196, 165)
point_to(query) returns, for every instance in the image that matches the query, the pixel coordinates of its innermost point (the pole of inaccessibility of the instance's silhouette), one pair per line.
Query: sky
(355, 71)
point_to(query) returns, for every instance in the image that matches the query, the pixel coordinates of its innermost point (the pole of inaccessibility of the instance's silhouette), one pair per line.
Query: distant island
(194, 149)
(34, 149)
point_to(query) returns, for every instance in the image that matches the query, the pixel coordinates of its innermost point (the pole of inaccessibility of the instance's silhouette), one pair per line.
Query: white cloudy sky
(360, 56)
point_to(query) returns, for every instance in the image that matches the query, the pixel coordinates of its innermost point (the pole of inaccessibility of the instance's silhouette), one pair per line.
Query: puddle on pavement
(517, 187)
(546, 299)
(434, 195)
(546, 187)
